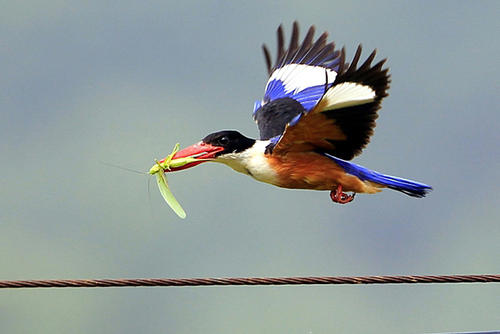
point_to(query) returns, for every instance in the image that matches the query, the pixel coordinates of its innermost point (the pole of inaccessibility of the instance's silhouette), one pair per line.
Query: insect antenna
(123, 168)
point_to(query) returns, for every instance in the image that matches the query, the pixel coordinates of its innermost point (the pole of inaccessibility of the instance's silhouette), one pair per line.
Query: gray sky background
(88, 82)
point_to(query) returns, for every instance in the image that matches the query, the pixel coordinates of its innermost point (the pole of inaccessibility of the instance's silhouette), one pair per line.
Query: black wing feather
(301, 54)
(358, 122)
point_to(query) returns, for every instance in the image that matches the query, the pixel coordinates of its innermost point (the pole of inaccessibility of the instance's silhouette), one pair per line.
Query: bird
(318, 112)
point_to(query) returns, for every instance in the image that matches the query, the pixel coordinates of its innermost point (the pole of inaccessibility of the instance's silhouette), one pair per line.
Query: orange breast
(308, 170)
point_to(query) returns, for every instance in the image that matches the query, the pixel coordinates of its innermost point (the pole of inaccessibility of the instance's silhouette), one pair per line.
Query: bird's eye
(223, 140)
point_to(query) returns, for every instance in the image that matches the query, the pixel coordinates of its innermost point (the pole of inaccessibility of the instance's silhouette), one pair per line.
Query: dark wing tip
(375, 76)
(281, 42)
(267, 56)
(318, 53)
(358, 121)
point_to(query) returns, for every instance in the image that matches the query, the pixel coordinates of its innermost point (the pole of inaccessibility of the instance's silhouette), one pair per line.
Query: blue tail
(408, 187)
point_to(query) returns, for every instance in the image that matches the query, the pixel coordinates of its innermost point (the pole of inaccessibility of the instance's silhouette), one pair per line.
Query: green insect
(165, 165)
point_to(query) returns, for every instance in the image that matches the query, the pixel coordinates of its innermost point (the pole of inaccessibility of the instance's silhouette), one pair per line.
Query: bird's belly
(299, 170)
(311, 171)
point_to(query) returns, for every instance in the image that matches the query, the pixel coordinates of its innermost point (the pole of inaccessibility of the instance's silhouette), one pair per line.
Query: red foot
(340, 197)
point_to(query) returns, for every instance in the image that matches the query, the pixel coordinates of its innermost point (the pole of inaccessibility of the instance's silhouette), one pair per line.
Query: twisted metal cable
(96, 283)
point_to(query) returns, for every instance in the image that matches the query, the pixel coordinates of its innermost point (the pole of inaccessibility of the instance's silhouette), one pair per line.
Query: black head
(231, 141)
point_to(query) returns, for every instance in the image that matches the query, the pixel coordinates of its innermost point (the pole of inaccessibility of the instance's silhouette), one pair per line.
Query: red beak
(199, 150)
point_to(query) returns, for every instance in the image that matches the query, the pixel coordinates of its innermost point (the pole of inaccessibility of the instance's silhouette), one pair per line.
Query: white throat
(251, 162)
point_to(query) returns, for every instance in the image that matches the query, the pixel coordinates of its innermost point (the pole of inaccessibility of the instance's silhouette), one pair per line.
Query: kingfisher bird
(318, 112)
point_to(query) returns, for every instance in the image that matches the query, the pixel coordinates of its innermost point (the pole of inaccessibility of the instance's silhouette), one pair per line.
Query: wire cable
(101, 283)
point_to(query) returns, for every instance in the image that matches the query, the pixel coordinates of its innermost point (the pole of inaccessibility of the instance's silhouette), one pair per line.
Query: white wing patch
(297, 77)
(348, 94)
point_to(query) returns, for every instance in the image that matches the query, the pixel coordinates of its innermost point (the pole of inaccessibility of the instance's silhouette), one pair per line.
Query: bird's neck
(252, 161)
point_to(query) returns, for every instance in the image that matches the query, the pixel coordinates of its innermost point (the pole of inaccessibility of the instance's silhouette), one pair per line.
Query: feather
(411, 188)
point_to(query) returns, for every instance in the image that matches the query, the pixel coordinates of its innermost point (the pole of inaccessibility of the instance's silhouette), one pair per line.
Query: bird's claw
(340, 197)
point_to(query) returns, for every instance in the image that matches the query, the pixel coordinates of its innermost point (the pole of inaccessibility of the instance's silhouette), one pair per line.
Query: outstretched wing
(297, 81)
(342, 121)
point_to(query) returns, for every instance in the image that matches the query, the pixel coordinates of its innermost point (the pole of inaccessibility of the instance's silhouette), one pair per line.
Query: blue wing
(343, 120)
(314, 100)
(297, 81)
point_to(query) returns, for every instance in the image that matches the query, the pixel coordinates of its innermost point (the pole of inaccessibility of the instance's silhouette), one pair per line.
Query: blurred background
(84, 83)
